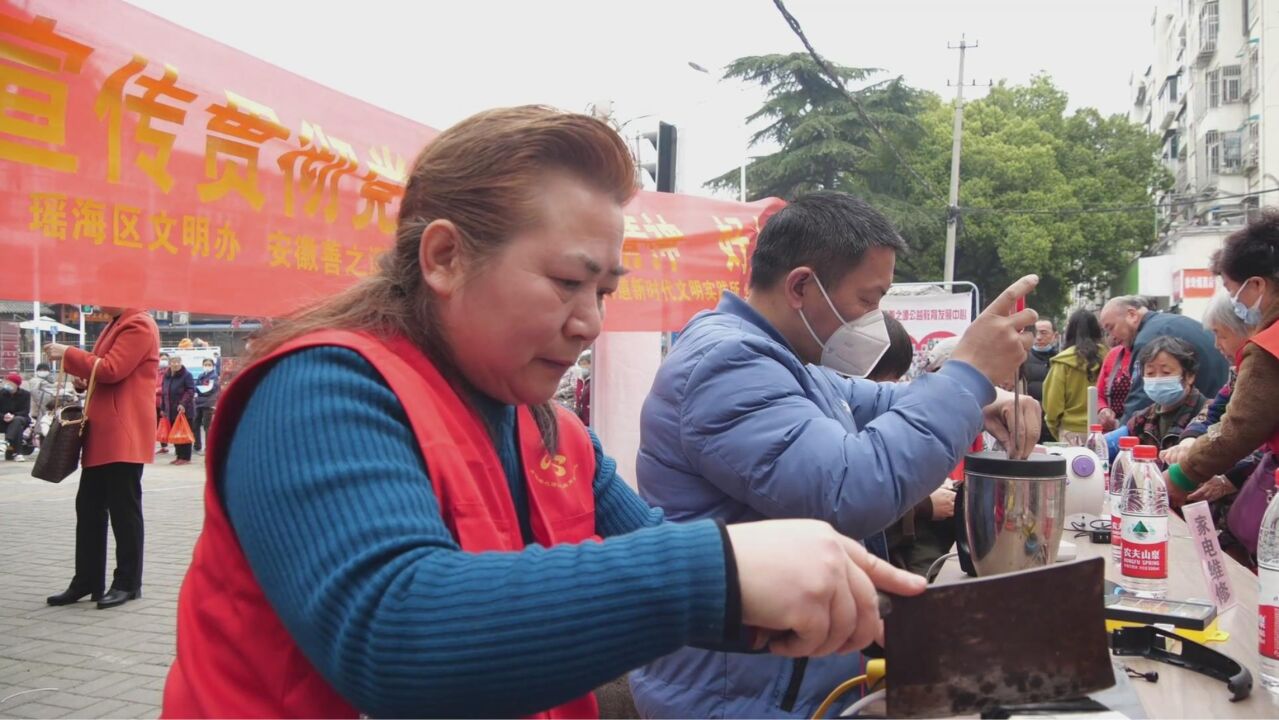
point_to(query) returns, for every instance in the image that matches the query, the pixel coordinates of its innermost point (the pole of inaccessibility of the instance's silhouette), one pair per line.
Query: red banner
(145, 165)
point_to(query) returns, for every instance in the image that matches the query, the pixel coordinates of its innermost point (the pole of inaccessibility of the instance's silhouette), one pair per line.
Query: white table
(1181, 693)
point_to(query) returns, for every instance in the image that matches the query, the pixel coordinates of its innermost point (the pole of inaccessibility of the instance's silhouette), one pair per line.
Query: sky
(438, 62)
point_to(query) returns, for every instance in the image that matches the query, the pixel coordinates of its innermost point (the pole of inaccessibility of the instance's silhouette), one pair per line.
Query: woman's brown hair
(484, 174)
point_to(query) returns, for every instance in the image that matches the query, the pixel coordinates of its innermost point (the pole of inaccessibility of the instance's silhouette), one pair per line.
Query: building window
(1252, 145)
(1231, 83)
(1172, 87)
(1212, 81)
(1212, 149)
(1208, 26)
(1232, 151)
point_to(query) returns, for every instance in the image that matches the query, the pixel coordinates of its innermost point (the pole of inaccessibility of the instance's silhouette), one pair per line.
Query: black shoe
(71, 595)
(116, 596)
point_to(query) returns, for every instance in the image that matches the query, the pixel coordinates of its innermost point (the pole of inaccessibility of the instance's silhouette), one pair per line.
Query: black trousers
(203, 419)
(114, 492)
(13, 434)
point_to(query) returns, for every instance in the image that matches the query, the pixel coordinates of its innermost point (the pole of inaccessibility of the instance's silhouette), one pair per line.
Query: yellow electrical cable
(836, 694)
(875, 671)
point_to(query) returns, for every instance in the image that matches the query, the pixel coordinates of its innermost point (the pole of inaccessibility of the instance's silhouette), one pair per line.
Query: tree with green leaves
(823, 139)
(1060, 194)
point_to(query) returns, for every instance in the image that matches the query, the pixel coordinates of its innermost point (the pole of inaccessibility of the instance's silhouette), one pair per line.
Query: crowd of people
(1169, 380)
(476, 535)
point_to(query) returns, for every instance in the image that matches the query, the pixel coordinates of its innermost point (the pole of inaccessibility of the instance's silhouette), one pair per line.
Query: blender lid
(996, 462)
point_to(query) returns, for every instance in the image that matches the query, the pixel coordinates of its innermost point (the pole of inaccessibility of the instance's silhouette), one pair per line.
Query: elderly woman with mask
(1231, 334)
(1168, 371)
(1249, 268)
(476, 553)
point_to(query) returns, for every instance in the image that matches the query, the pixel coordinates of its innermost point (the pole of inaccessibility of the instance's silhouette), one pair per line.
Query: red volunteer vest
(1268, 340)
(234, 656)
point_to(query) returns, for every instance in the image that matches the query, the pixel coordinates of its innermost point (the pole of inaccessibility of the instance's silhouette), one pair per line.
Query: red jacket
(234, 656)
(121, 412)
(1116, 361)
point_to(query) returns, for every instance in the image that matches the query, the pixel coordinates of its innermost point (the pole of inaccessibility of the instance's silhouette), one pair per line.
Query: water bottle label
(1116, 524)
(1144, 553)
(1268, 612)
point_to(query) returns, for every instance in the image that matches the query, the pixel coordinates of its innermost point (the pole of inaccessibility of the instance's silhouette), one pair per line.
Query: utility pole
(952, 211)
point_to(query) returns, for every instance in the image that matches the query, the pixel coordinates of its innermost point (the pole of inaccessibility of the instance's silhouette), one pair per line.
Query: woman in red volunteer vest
(399, 522)
(1248, 264)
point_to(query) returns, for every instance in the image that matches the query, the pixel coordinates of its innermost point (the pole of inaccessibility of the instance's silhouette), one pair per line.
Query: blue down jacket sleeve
(759, 432)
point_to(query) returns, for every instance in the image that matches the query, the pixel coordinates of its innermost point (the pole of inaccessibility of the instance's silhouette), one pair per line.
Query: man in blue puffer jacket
(741, 425)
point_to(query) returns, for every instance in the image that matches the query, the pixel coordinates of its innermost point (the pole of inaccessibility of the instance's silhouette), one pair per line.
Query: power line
(861, 111)
(1101, 209)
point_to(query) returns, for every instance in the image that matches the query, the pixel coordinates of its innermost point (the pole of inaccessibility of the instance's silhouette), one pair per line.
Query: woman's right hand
(1176, 453)
(810, 588)
(1107, 419)
(943, 499)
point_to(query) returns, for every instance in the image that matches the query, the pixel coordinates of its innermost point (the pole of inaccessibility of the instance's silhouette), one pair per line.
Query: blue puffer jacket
(738, 428)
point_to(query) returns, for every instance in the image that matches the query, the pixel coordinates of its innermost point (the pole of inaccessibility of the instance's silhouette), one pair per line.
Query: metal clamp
(1154, 643)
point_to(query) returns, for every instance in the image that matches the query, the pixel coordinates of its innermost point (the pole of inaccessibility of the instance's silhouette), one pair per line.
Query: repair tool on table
(1027, 637)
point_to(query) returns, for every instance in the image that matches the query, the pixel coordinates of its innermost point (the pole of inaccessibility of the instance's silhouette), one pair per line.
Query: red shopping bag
(181, 433)
(162, 430)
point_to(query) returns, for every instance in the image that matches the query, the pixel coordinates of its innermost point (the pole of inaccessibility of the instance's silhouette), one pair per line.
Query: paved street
(78, 661)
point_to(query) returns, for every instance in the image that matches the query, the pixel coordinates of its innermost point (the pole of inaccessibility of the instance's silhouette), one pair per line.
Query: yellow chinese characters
(733, 242)
(148, 106)
(237, 131)
(320, 255)
(33, 100)
(382, 185)
(60, 217)
(313, 172)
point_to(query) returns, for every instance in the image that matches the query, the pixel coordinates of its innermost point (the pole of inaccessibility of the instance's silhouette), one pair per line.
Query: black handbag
(60, 452)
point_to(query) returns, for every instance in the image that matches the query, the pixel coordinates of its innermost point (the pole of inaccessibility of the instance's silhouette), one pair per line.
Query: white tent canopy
(48, 325)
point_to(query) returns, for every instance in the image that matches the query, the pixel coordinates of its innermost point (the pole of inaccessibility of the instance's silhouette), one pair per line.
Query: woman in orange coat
(119, 438)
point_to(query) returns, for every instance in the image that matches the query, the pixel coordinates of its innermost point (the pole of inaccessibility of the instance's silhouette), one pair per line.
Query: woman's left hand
(1214, 489)
(55, 351)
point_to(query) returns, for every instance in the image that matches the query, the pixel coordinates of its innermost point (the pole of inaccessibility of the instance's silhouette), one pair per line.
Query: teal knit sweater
(330, 499)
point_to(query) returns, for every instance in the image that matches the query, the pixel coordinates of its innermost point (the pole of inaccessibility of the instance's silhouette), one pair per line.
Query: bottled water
(1115, 490)
(1097, 443)
(1268, 595)
(1144, 518)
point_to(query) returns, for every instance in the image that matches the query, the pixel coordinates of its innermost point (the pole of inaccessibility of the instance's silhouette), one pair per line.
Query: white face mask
(855, 347)
(42, 374)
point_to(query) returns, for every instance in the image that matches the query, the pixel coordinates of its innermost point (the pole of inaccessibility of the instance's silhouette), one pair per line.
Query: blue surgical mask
(1164, 390)
(1251, 316)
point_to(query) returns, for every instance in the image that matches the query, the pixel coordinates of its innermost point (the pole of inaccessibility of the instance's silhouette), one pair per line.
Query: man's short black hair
(827, 231)
(897, 360)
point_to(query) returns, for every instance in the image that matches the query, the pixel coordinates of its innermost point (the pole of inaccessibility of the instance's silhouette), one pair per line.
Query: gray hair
(1180, 350)
(1135, 302)
(1220, 315)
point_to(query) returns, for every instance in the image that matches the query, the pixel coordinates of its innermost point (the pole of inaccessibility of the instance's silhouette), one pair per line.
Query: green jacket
(1066, 392)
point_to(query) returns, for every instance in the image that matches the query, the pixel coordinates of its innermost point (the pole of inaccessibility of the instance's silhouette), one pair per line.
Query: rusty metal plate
(1027, 637)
